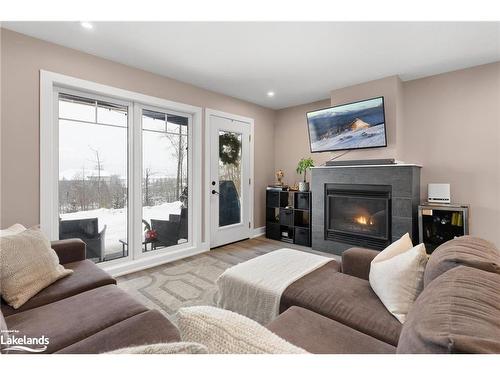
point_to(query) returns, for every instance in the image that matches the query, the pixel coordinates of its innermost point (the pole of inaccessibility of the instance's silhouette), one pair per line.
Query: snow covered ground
(116, 221)
(370, 137)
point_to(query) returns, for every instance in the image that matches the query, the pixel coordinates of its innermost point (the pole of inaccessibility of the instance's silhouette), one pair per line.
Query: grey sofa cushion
(75, 318)
(458, 312)
(320, 335)
(468, 251)
(347, 299)
(149, 327)
(356, 261)
(68, 251)
(86, 276)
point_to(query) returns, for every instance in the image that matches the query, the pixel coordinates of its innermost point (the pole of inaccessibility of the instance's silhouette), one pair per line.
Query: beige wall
(390, 89)
(292, 139)
(22, 58)
(452, 127)
(449, 123)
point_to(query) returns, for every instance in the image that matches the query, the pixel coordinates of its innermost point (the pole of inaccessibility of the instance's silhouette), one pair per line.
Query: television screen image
(348, 126)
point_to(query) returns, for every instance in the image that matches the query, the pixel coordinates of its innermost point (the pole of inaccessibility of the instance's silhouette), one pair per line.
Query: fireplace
(396, 185)
(358, 214)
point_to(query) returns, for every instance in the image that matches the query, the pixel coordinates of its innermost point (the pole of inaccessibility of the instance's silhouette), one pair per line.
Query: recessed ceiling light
(86, 25)
(270, 94)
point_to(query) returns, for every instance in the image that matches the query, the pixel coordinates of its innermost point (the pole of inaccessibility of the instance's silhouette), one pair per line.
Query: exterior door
(229, 180)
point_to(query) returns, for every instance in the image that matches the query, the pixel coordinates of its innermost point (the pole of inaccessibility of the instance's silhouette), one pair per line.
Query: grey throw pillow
(462, 251)
(458, 312)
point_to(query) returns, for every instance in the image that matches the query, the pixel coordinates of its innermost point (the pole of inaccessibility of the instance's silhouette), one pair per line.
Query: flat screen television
(348, 126)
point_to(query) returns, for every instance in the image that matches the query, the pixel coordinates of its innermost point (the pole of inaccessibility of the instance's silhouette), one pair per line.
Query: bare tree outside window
(98, 162)
(179, 150)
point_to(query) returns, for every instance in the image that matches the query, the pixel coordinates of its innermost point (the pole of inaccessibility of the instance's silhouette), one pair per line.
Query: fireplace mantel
(367, 166)
(403, 179)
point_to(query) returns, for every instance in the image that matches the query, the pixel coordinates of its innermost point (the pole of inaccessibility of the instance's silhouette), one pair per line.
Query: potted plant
(150, 235)
(302, 167)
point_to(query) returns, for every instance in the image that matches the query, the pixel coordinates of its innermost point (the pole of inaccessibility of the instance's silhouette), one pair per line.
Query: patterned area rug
(191, 281)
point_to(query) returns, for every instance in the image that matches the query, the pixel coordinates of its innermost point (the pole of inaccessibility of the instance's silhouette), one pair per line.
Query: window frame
(50, 86)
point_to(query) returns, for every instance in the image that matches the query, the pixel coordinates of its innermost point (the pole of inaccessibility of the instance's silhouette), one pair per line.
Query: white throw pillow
(27, 265)
(226, 332)
(164, 348)
(397, 274)
(13, 229)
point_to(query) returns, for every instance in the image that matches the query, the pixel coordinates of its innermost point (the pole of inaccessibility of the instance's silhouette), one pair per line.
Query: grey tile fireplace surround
(404, 180)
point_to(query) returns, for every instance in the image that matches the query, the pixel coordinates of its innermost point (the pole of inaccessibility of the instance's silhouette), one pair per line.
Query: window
(108, 158)
(93, 175)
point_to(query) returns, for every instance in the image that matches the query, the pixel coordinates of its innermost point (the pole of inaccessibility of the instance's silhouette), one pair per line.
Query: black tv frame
(341, 105)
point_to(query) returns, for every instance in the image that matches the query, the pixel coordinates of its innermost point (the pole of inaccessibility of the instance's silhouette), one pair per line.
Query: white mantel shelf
(368, 166)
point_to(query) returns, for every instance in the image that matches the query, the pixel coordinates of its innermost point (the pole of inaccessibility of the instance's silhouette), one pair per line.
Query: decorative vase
(303, 186)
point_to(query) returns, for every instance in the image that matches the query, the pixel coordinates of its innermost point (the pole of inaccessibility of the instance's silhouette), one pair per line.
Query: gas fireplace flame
(363, 220)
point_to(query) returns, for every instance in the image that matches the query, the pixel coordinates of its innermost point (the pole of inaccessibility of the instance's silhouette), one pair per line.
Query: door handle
(215, 192)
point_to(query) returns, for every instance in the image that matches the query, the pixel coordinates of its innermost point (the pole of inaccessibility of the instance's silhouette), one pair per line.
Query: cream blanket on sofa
(253, 288)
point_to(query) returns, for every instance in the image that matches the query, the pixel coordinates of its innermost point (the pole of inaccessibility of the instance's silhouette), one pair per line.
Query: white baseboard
(125, 268)
(257, 232)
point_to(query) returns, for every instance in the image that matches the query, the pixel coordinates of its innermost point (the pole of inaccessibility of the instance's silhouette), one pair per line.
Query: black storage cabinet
(288, 216)
(439, 223)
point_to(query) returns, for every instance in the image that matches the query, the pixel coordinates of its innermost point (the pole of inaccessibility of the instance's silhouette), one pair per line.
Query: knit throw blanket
(254, 288)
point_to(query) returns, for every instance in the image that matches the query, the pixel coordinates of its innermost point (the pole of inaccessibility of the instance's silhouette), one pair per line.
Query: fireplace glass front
(359, 214)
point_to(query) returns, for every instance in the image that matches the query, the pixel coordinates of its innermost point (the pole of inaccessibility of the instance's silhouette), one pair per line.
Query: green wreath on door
(229, 148)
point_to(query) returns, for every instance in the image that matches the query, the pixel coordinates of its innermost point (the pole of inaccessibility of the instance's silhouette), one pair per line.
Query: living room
(211, 188)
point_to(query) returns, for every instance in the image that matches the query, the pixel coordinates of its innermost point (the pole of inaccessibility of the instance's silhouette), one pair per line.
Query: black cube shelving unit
(288, 216)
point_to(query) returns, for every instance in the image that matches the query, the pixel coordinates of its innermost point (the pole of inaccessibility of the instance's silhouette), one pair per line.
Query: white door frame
(49, 155)
(250, 121)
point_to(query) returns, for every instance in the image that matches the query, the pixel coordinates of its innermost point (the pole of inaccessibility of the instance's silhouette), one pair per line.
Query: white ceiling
(301, 62)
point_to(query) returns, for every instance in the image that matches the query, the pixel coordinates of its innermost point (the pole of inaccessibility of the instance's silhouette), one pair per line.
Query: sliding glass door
(165, 179)
(95, 191)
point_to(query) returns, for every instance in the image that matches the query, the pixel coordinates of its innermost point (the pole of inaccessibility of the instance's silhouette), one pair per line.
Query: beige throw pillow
(226, 332)
(164, 348)
(13, 229)
(27, 265)
(397, 274)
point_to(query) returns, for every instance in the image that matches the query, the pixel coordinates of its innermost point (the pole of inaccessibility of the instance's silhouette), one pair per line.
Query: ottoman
(254, 288)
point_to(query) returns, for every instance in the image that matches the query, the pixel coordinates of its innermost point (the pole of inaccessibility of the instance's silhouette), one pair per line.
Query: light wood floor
(261, 245)
(191, 281)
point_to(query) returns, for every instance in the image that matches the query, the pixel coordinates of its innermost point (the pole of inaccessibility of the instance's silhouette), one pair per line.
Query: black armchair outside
(169, 232)
(87, 230)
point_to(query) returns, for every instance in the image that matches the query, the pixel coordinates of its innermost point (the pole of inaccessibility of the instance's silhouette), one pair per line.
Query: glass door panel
(164, 180)
(229, 178)
(93, 176)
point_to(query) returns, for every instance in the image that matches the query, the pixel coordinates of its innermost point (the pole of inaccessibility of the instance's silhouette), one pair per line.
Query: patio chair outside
(88, 231)
(169, 232)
